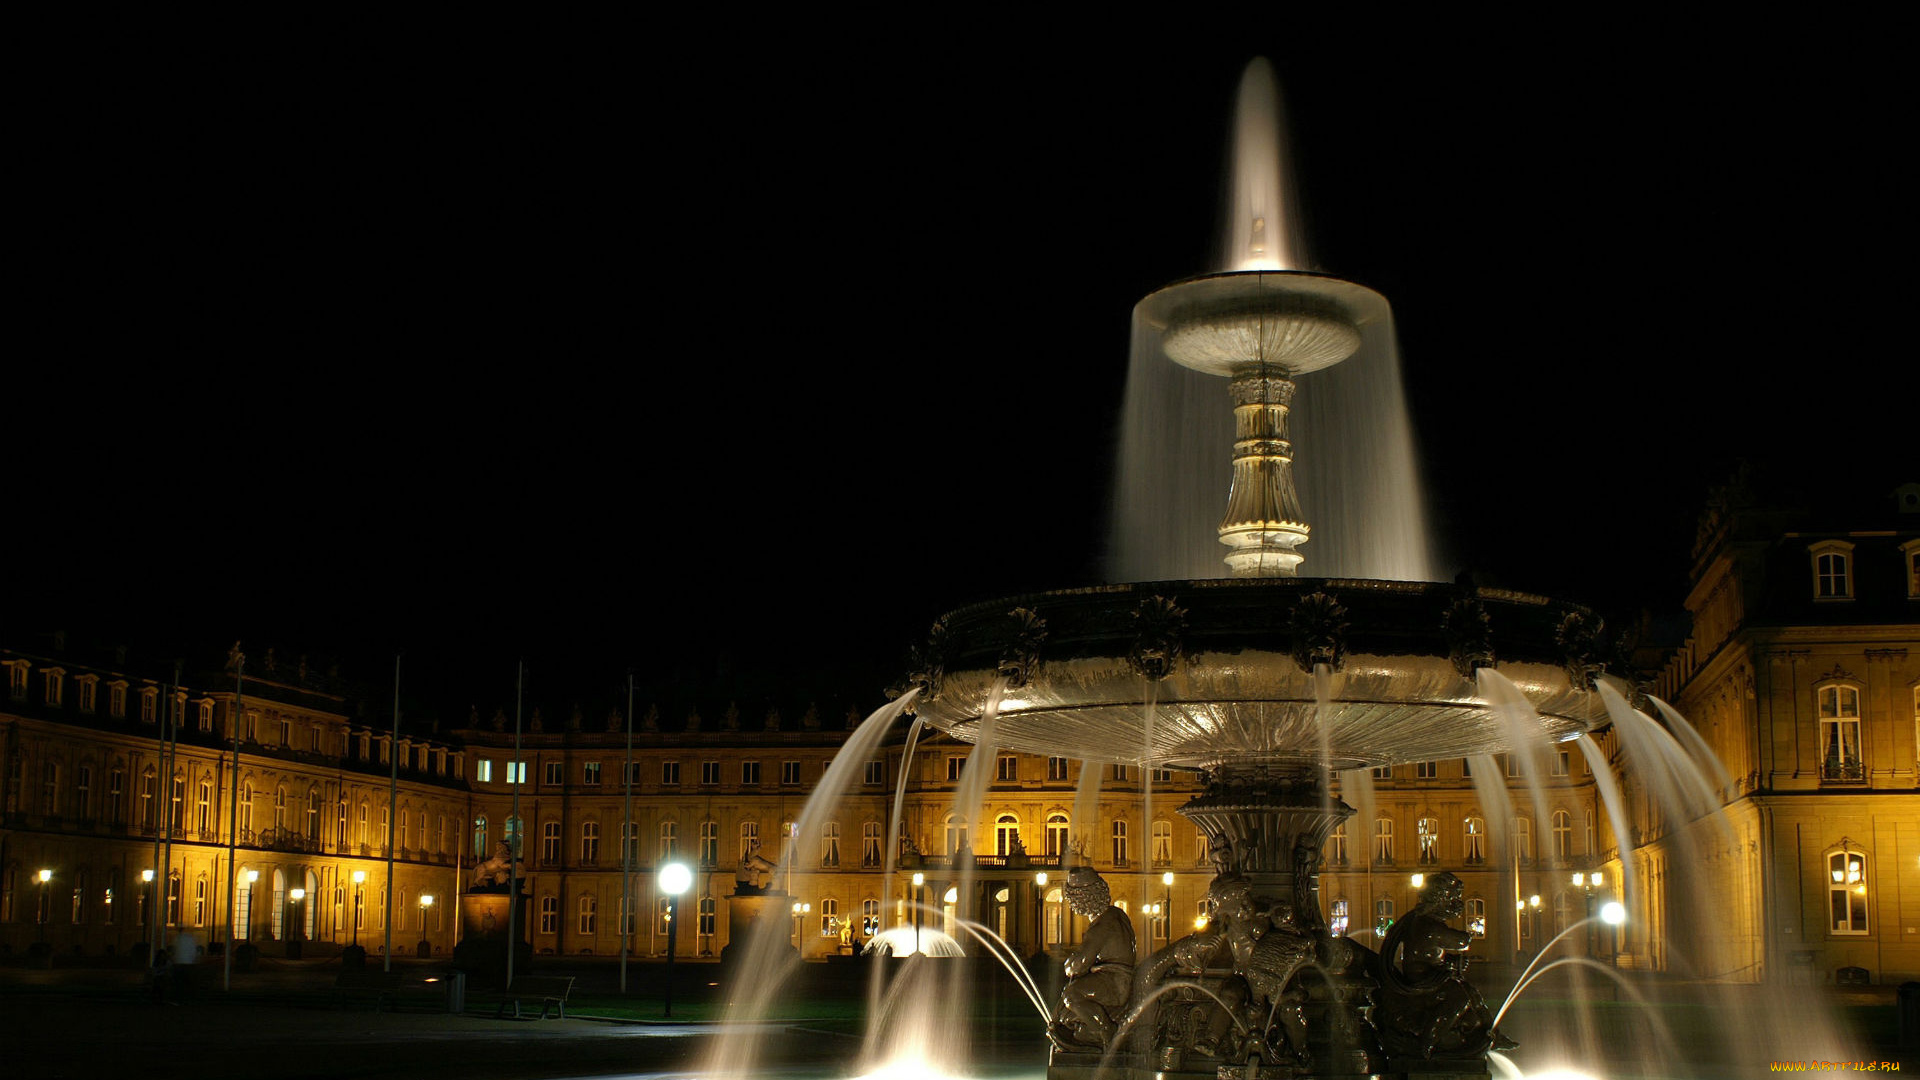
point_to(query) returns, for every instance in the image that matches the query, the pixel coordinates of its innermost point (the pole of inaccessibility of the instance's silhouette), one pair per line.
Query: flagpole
(233, 819)
(169, 761)
(393, 811)
(513, 857)
(626, 849)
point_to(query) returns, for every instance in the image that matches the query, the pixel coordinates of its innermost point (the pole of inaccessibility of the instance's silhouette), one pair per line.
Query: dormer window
(17, 679)
(149, 704)
(56, 686)
(117, 700)
(89, 692)
(1832, 570)
(204, 714)
(1910, 551)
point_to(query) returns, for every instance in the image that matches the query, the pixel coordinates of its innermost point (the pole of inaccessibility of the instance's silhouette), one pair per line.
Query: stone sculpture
(1425, 1008)
(1099, 972)
(491, 876)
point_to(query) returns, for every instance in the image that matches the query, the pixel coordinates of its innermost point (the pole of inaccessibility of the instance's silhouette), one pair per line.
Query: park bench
(377, 986)
(550, 990)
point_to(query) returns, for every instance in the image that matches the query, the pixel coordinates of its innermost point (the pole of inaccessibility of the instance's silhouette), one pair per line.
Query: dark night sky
(739, 361)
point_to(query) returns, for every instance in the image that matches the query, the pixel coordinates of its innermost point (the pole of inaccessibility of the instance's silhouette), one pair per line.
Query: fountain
(1270, 685)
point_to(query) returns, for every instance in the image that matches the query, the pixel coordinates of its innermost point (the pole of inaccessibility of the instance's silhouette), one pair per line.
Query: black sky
(738, 359)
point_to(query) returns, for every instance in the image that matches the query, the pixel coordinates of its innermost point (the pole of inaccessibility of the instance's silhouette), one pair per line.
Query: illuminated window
(1382, 914)
(1056, 835)
(480, 837)
(830, 844)
(1475, 840)
(829, 918)
(1427, 833)
(749, 838)
(1337, 924)
(1476, 916)
(1911, 552)
(1832, 570)
(77, 911)
(516, 772)
(870, 847)
(1337, 845)
(1847, 892)
(1162, 843)
(483, 770)
(1840, 732)
(1383, 839)
(709, 843)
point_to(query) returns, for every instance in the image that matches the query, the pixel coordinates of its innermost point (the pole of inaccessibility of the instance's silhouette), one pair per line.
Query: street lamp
(1166, 882)
(426, 905)
(252, 877)
(359, 879)
(675, 878)
(799, 910)
(44, 876)
(919, 894)
(1588, 883)
(1040, 910)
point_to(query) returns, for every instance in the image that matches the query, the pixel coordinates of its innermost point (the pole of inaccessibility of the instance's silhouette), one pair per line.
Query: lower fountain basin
(1230, 664)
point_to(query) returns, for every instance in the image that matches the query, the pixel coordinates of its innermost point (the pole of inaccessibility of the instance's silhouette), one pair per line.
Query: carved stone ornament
(1579, 636)
(693, 720)
(1319, 628)
(772, 722)
(1469, 632)
(1159, 628)
(615, 721)
(730, 720)
(500, 719)
(1021, 658)
(650, 720)
(928, 663)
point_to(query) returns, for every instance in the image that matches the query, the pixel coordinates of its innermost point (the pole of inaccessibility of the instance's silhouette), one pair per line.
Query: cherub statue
(1099, 972)
(1425, 1006)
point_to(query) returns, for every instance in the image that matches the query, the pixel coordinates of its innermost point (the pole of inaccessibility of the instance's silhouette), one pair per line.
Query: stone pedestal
(753, 911)
(483, 931)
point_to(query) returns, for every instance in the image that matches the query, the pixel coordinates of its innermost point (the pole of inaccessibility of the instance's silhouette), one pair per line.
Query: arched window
(709, 843)
(243, 904)
(1428, 835)
(549, 915)
(1562, 835)
(1006, 833)
(1383, 839)
(1847, 892)
(278, 924)
(956, 835)
(829, 918)
(279, 808)
(1119, 843)
(1055, 917)
(406, 829)
(749, 838)
(305, 911)
(203, 810)
(589, 908)
(870, 846)
(869, 917)
(669, 841)
(173, 898)
(550, 843)
(1475, 840)
(1476, 916)
(1163, 843)
(246, 813)
(1056, 835)
(200, 900)
(365, 834)
(1832, 570)
(480, 836)
(589, 842)
(1840, 732)
(1523, 839)
(313, 813)
(830, 844)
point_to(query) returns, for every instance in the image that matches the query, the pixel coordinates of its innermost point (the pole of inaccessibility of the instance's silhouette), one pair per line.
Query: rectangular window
(550, 843)
(89, 694)
(483, 770)
(1847, 892)
(1466, 769)
(549, 915)
(1840, 734)
(589, 842)
(876, 772)
(1426, 770)
(870, 844)
(56, 686)
(1560, 763)
(1120, 773)
(204, 719)
(1119, 843)
(83, 791)
(709, 916)
(1513, 764)
(670, 774)
(117, 701)
(790, 773)
(955, 763)
(709, 773)
(749, 774)
(1007, 768)
(1163, 776)
(516, 772)
(1056, 768)
(1384, 772)
(555, 773)
(590, 774)
(709, 843)
(149, 706)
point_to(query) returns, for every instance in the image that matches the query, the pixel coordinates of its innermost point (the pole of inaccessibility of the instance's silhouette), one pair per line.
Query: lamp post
(359, 879)
(919, 894)
(1166, 884)
(800, 911)
(252, 877)
(426, 905)
(675, 878)
(1040, 911)
(44, 876)
(146, 907)
(294, 931)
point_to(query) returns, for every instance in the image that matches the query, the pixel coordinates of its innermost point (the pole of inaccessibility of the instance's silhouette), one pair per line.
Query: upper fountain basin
(1288, 320)
(1234, 659)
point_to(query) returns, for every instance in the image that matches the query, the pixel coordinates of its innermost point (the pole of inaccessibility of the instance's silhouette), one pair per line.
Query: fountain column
(1263, 523)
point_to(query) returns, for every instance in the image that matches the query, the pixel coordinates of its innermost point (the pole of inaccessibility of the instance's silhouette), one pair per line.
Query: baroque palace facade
(1799, 675)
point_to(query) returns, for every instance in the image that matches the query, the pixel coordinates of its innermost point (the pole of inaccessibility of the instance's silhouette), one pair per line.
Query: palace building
(1802, 674)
